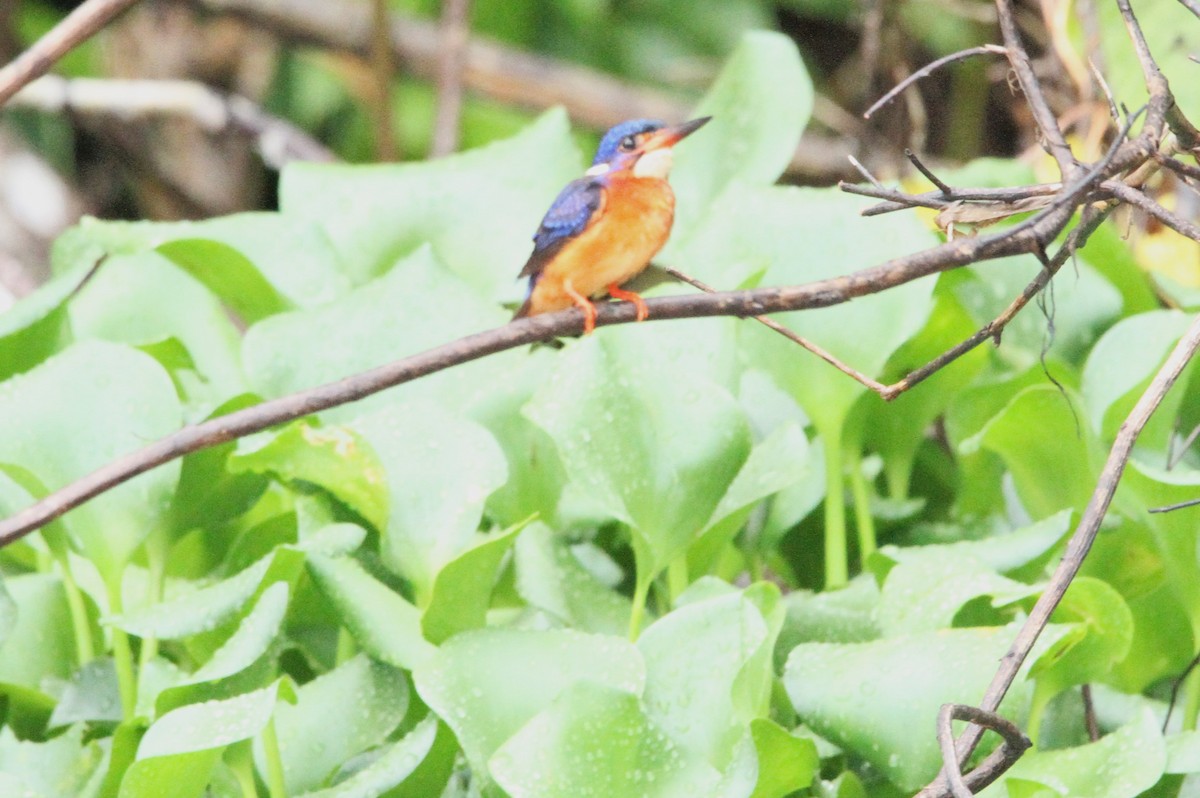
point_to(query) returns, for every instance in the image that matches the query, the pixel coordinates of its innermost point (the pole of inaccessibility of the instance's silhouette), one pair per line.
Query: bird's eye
(628, 143)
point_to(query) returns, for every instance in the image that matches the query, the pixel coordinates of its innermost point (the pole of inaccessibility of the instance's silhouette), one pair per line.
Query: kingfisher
(604, 228)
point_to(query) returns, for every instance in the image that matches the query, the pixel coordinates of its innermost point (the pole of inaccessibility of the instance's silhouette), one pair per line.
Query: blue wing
(567, 218)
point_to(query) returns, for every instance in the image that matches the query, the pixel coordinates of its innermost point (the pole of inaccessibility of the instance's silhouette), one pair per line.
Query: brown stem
(453, 31)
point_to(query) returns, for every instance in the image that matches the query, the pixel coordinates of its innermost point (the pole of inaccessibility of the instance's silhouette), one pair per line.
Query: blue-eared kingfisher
(605, 227)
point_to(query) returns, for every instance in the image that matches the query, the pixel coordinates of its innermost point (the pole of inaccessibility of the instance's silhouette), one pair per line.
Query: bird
(604, 228)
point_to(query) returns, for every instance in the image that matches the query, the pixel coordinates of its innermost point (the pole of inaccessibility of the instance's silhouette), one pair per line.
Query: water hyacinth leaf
(1170, 34)
(253, 638)
(80, 410)
(373, 215)
(38, 326)
(786, 763)
(1027, 434)
(694, 655)
(462, 589)
(39, 643)
(381, 620)
(1121, 364)
(62, 767)
(926, 594)
(91, 695)
(487, 683)
(335, 458)
(759, 104)
(847, 615)
(336, 716)
(1123, 764)
(8, 607)
(199, 611)
(179, 750)
(653, 444)
(401, 313)
(836, 689)
(438, 470)
(551, 578)
(144, 299)
(394, 765)
(595, 738)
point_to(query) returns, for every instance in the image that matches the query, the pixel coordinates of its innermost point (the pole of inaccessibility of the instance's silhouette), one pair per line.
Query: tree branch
(454, 32)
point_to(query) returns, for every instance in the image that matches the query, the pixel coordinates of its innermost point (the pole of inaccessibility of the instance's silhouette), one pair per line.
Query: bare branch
(929, 69)
(454, 31)
(1015, 744)
(382, 72)
(278, 141)
(76, 27)
(1138, 199)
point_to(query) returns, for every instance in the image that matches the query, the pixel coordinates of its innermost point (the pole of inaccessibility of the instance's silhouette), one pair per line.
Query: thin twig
(278, 141)
(453, 30)
(76, 27)
(1168, 508)
(1080, 542)
(929, 69)
(382, 72)
(1014, 745)
(865, 172)
(1089, 713)
(929, 175)
(1175, 691)
(1138, 199)
(1192, 5)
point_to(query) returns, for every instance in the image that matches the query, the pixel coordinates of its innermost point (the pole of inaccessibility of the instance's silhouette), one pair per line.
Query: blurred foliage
(620, 567)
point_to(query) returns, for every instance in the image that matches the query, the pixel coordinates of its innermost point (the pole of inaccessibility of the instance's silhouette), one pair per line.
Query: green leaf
(847, 615)
(143, 299)
(786, 763)
(37, 326)
(335, 458)
(401, 313)
(487, 683)
(652, 443)
(62, 767)
(338, 715)
(759, 104)
(551, 578)
(393, 766)
(836, 689)
(438, 470)
(78, 411)
(462, 590)
(925, 594)
(91, 695)
(40, 643)
(252, 639)
(178, 752)
(1123, 764)
(594, 738)
(375, 215)
(384, 624)
(694, 655)
(1171, 36)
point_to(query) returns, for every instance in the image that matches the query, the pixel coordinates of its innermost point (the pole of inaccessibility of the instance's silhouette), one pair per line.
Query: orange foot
(629, 296)
(584, 304)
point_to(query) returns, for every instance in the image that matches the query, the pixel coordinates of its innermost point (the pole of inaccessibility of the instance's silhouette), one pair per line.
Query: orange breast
(633, 226)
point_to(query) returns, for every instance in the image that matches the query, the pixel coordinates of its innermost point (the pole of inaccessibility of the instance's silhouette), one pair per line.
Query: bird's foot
(616, 292)
(584, 304)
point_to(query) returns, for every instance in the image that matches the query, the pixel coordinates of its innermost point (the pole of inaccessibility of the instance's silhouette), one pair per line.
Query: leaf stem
(677, 577)
(346, 646)
(837, 569)
(85, 646)
(157, 545)
(640, 592)
(864, 523)
(122, 653)
(276, 786)
(1191, 700)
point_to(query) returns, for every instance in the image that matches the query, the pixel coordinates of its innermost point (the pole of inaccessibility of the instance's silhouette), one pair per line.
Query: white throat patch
(656, 163)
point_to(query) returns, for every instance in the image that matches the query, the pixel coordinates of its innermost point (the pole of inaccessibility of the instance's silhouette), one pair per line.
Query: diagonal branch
(76, 27)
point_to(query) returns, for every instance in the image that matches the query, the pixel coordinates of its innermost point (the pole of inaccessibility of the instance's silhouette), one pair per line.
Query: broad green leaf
(847, 615)
(335, 458)
(258, 263)
(91, 695)
(1121, 364)
(1029, 434)
(1183, 752)
(1108, 626)
(1171, 35)
(487, 683)
(759, 104)
(694, 655)
(40, 643)
(78, 411)
(252, 639)
(438, 470)
(8, 607)
(1123, 764)
(651, 443)
(404, 312)
(376, 214)
(880, 699)
(143, 299)
(551, 578)
(38, 326)
(381, 620)
(595, 738)
(338, 715)
(178, 752)
(62, 767)
(395, 764)
(786, 763)
(462, 589)
(925, 595)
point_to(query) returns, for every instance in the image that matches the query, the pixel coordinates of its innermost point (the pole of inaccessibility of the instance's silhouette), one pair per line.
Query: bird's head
(641, 146)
